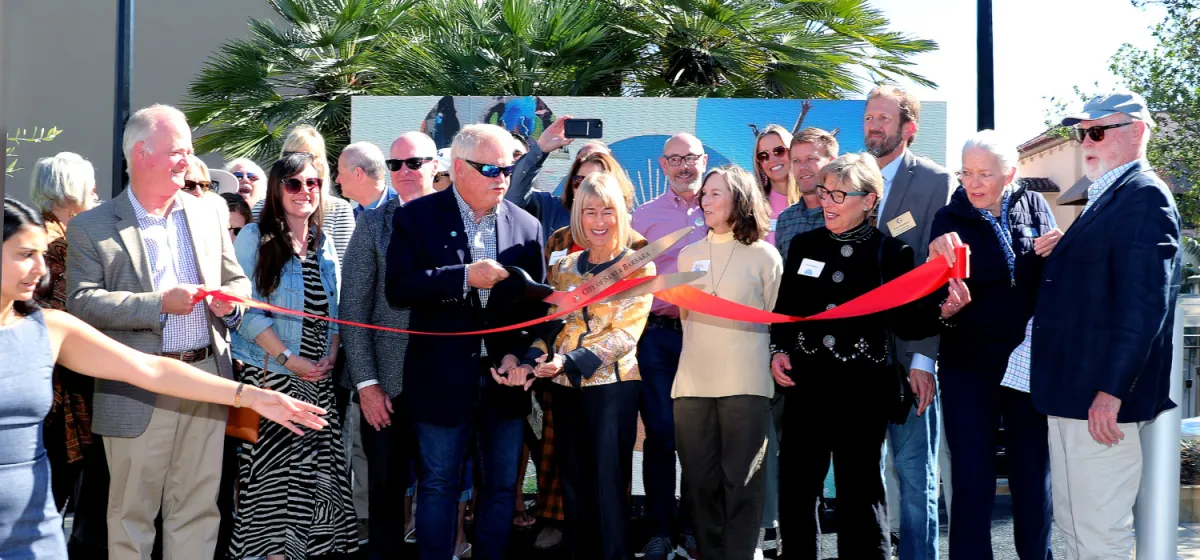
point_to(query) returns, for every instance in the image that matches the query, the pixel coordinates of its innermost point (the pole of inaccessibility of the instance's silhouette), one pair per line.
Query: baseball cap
(443, 160)
(1119, 101)
(224, 181)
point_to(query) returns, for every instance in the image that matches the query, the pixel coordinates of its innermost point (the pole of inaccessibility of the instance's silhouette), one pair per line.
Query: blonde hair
(306, 138)
(605, 187)
(764, 183)
(819, 137)
(859, 170)
(197, 169)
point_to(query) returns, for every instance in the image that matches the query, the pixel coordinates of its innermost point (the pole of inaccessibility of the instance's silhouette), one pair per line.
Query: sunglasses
(240, 175)
(191, 186)
(294, 186)
(837, 196)
(576, 180)
(413, 163)
(778, 151)
(491, 171)
(1095, 132)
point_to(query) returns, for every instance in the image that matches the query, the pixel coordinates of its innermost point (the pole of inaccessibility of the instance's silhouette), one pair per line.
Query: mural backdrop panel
(634, 127)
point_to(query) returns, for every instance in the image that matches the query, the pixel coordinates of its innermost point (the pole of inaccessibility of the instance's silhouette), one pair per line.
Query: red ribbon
(905, 289)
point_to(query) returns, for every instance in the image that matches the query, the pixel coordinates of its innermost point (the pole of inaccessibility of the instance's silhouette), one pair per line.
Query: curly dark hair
(750, 216)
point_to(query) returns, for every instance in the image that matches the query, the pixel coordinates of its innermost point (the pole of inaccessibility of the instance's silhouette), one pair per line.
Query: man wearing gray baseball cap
(1102, 331)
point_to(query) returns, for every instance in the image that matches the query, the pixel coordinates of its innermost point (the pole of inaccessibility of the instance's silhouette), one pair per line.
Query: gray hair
(988, 141)
(467, 141)
(367, 156)
(63, 179)
(143, 123)
(246, 162)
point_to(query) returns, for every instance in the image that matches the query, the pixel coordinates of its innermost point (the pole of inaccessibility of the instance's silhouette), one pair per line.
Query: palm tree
(305, 71)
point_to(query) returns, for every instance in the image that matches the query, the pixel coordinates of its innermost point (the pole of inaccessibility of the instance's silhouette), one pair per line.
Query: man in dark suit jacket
(915, 188)
(1103, 329)
(446, 264)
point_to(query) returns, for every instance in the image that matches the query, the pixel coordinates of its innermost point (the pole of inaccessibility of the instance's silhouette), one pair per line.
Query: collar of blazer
(458, 231)
(1099, 206)
(899, 189)
(199, 225)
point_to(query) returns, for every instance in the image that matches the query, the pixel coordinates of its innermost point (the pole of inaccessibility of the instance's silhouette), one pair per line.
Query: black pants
(389, 452)
(89, 531)
(722, 445)
(843, 425)
(595, 432)
(973, 406)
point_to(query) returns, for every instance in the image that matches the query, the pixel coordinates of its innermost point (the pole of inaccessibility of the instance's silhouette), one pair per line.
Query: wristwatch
(283, 357)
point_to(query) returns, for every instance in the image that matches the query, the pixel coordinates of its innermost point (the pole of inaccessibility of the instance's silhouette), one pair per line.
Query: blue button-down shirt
(172, 259)
(1105, 182)
(388, 194)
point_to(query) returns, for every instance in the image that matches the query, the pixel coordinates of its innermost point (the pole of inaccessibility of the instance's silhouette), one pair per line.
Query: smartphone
(584, 128)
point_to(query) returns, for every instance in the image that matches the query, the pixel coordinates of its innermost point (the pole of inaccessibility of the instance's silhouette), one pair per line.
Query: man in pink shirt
(683, 161)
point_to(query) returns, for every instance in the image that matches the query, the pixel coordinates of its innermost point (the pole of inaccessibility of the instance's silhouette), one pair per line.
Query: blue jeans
(658, 359)
(914, 448)
(443, 452)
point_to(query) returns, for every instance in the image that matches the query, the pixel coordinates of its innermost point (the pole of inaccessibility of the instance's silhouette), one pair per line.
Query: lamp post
(124, 75)
(985, 80)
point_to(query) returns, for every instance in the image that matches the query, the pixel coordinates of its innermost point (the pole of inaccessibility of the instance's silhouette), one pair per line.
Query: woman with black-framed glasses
(297, 482)
(837, 374)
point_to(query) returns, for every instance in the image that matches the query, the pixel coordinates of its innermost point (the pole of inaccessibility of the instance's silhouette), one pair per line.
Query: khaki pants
(174, 465)
(1094, 487)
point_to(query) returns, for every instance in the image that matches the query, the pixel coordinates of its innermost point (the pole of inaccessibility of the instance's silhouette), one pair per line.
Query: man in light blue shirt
(914, 190)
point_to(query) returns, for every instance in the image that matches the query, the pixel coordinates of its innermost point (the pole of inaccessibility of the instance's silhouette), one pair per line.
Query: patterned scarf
(1004, 234)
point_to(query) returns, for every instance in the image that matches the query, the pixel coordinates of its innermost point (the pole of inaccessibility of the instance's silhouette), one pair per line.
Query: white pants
(1094, 488)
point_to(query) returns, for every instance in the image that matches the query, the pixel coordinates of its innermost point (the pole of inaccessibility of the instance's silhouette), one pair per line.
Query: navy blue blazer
(1106, 308)
(426, 262)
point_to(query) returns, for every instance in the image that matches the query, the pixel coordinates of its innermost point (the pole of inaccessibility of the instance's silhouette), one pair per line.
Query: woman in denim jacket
(293, 491)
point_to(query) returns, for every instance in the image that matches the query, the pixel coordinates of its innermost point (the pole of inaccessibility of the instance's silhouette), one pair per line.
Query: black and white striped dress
(294, 491)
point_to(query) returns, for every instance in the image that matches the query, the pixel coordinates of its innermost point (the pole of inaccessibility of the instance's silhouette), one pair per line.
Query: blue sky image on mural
(723, 124)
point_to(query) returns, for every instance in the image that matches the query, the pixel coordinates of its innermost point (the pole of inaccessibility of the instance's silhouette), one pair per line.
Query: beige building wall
(59, 61)
(1063, 164)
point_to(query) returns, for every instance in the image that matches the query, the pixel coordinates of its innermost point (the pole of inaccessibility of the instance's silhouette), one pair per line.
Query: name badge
(557, 256)
(901, 224)
(701, 266)
(809, 267)
(774, 221)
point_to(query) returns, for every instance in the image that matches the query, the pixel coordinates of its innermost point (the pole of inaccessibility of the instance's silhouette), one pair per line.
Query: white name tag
(809, 267)
(557, 256)
(774, 221)
(701, 266)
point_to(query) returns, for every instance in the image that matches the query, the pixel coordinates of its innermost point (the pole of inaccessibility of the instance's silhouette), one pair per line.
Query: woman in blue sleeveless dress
(31, 342)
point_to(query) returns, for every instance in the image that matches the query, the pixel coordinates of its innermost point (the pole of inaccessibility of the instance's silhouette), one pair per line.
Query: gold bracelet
(237, 397)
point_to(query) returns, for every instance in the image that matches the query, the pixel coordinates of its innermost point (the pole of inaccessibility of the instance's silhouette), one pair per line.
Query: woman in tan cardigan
(723, 388)
(592, 361)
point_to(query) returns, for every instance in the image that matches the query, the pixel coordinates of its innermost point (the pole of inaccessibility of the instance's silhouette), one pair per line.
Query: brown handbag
(243, 422)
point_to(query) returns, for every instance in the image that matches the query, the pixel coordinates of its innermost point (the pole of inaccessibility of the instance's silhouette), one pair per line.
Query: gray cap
(1119, 101)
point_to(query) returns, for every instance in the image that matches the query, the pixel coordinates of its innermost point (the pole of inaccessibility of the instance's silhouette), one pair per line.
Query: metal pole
(121, 97)
(1156, 513)
(985, 73)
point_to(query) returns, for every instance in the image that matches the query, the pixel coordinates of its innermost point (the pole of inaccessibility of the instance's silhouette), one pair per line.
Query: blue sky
(1043, 48)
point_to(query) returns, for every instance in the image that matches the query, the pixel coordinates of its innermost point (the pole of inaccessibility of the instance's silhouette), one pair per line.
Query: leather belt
(189, 356)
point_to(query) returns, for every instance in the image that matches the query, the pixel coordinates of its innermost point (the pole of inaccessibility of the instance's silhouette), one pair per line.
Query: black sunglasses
(1095, 132)
(779, 151)
(576, 180)
(837, 196)
(413, 163)
(191, 186)
(247, 175)
(294, 186)
(491, 171)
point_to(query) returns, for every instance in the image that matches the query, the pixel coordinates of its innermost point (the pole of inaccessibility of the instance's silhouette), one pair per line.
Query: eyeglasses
(837, 196)
(491, 171)
(1095, 132)
(246, 175)
(191, 186)
(576, 180)
(689, 159)
(294, 186)
(413, 163)
(779, 151)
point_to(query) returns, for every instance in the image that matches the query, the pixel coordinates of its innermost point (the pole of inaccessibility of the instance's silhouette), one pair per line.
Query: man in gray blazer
(135, 266)
(915, 188)
(375, 359)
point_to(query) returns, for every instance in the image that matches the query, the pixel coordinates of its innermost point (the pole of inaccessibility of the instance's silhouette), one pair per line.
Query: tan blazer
(109, 286)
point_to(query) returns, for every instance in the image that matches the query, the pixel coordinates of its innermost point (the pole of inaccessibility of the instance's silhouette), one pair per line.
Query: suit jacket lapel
(504, 229)
(896, 194)
(1101, 204)
(131, 236)
(457, 232)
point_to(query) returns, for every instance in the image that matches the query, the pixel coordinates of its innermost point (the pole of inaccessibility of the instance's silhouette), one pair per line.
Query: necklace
(854, 235)
(725, 268)
(586, 257)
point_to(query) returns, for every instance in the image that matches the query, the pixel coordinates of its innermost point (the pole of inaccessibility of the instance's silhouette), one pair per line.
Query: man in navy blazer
(446, 264)
(1102, 332)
